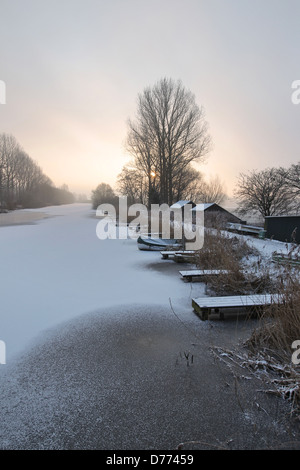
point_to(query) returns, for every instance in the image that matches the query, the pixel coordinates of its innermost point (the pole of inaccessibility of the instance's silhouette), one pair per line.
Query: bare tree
(194, 187)
(266, 192)
(9, 149)
(103, 194)
(133, 184)
(185, 184)
(211, 191)
(169, 133)
(292, 176)
(22, 181)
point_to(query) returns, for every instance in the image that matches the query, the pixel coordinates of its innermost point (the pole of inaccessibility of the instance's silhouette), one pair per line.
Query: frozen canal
(57, 269)
(97, 358)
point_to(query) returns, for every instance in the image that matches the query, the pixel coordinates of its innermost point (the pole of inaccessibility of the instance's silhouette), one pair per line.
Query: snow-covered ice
(57, 269)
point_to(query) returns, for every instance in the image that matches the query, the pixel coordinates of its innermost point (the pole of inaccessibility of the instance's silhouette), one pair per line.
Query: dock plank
(171, 253)
(200, 273)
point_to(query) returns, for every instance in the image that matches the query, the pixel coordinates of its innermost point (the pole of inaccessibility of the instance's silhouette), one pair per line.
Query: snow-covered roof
(201, 207)
(180, 204)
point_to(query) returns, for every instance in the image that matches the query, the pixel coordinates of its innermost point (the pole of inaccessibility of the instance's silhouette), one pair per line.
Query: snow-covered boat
(158, 244)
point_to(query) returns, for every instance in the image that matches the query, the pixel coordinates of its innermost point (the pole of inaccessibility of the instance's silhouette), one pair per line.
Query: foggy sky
(73, 70)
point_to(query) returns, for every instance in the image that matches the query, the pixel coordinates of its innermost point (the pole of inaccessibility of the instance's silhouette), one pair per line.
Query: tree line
(22, 181)
(194, 187)
(270, 192)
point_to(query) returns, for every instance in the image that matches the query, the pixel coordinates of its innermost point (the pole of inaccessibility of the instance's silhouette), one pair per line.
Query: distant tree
(194, 187)
(292, 176)
(103, 194)
(9, 149)
(82, 198)
(211, 191)
(63, 195)
(266, 192)
(168, 134)
(133, 184)
(22, 181)
(64, 187)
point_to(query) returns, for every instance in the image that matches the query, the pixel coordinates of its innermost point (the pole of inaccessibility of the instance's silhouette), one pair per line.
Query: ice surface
(57, 269)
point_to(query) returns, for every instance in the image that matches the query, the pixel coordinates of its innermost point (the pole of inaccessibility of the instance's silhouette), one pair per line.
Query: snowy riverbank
(104, 350)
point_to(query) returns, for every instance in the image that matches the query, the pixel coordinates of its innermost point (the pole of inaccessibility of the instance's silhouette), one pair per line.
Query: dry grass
(220, 250)
(279, 326)
(228, 253)
(270, 344)
(269, 349)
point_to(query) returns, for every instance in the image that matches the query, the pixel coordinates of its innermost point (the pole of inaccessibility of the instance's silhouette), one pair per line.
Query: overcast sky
(73, 70)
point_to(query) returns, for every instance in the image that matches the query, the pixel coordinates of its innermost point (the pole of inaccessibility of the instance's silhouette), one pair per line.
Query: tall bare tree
(168, 134)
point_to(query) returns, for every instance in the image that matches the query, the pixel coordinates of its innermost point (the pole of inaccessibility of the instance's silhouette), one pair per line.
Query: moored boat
(158, 244)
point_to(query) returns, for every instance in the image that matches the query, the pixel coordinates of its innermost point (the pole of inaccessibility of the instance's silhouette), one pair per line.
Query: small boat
(158, 244)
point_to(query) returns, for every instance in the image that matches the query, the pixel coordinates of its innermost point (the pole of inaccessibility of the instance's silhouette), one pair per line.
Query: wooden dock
(260, 232)
(202, 273)
(178, 256)
(199, 274)
(204, 306)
